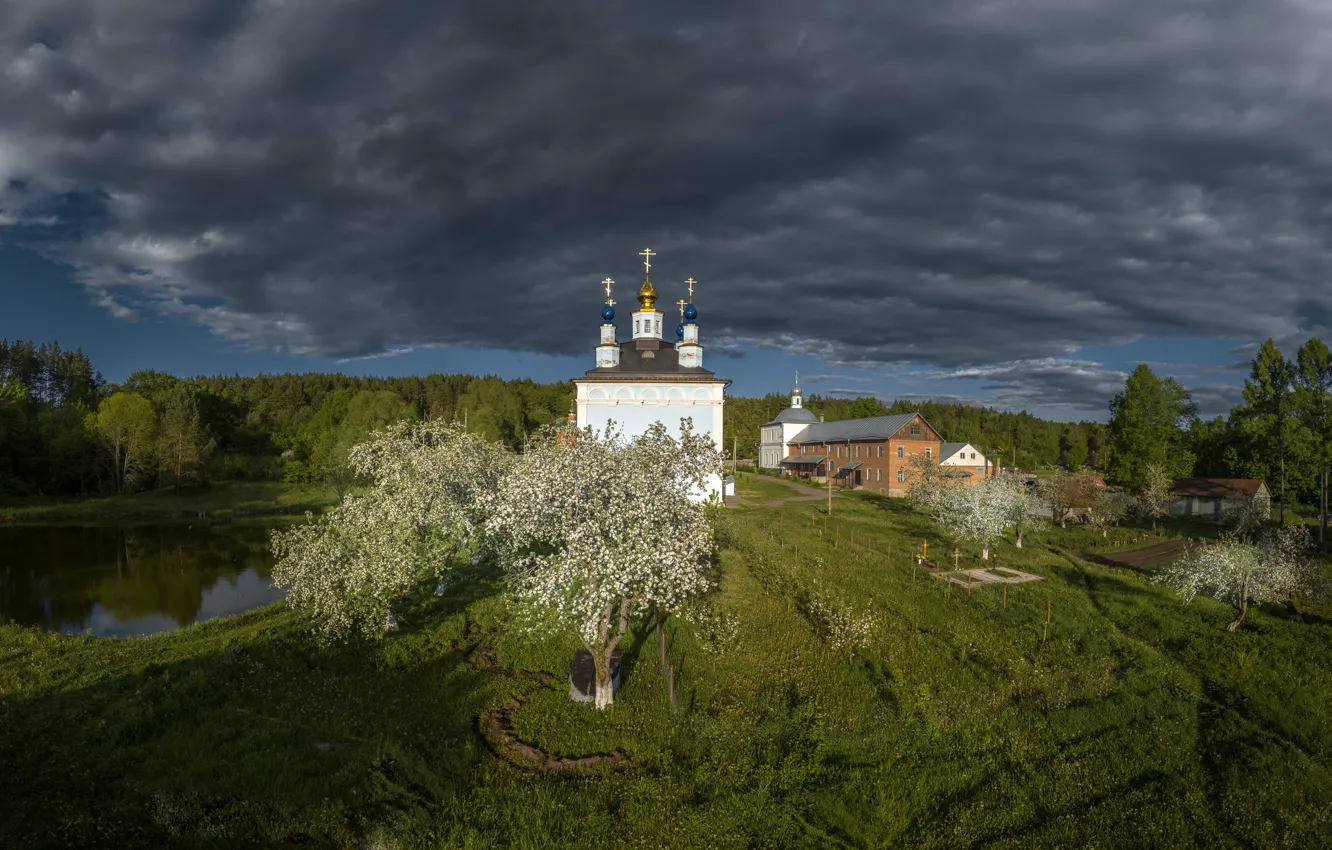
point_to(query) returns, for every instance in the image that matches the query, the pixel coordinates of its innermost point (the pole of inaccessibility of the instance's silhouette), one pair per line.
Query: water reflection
(125, 581)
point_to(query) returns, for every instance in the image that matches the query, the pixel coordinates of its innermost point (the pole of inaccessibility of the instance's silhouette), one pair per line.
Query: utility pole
(735, 441)
(827, 474)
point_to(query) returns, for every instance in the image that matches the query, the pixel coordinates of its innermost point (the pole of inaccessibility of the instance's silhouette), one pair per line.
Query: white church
(650, 378)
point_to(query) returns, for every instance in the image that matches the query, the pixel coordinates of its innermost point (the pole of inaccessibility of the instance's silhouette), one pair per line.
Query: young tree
(1066, 492)
(1153, 497)
(592, 529)
(1108, 507)
(426, 504)
(1022, 505)
(184, 444)
(126, 425)
(1234, 571)
(1147, 422)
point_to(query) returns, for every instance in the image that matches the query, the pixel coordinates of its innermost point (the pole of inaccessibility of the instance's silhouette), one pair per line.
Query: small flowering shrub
(844, 628)
(718, 631)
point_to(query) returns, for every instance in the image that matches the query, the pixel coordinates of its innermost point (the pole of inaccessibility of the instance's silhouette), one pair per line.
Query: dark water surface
(131, 580)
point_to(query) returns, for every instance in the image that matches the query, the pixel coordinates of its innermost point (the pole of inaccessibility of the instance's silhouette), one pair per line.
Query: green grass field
(1137, 722)
(222, 499)
(758, 488)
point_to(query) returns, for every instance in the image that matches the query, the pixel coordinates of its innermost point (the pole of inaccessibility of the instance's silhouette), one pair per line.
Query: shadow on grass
(264, 743)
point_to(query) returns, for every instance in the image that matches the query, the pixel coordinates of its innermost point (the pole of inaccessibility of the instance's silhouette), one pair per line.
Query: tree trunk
(1243, 606)
(1019, 537)
(985, 551)
(605, 685)
(601, 655)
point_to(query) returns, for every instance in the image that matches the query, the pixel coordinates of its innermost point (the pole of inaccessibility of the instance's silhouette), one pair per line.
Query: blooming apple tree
(593, 528)
(1233, 570)
(1108, 507)
(979, 513)
(1022, 504)
(430, 485)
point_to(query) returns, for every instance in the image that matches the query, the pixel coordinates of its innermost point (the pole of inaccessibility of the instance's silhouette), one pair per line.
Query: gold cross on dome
(691, 283)
(682, 303)
(608, 282)
(647, 259)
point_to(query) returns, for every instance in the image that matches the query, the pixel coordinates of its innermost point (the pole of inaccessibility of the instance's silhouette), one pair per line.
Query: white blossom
(1236, 571)
(430, 483)
(1154, 497)
(1108, 507)
(592, 528)
(978, 513)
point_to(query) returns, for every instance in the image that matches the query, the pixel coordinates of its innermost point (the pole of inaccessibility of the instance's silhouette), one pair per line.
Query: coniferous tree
(184, 444)
(1268, 411)
(1314, 400)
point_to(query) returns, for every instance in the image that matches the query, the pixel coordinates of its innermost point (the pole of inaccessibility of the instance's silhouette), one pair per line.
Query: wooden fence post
(1048, 610)
(1005, 596)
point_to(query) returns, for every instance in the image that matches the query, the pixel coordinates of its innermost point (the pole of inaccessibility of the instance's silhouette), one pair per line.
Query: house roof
(870, 428)
(947, 450)
(793, 414)
(651, 358)
(1218, 488)
(802, 460)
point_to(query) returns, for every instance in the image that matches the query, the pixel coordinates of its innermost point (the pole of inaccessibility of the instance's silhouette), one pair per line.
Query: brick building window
(857, 451)
(878, 475)
(880, 449)
(901, 476)
(915, 430)
(899, 451)
(929, 452)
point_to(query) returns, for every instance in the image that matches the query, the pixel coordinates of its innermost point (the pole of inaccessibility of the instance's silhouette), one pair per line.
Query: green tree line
(65, 431)
(1281, 431)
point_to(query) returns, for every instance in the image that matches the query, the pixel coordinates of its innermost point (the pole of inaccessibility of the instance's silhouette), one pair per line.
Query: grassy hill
(861, 704)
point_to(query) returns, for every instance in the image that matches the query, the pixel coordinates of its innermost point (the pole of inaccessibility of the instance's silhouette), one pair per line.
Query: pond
(131, 580)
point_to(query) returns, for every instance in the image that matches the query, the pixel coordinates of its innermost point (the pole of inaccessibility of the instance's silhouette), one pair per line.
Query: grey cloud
(1051, 382)
(952, 184)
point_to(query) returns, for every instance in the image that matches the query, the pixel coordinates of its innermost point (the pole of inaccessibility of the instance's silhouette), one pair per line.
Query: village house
(1208, 497)
(873, 453)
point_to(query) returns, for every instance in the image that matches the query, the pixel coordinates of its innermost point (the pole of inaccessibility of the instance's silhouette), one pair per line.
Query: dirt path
(807, 494)
(1142, 560)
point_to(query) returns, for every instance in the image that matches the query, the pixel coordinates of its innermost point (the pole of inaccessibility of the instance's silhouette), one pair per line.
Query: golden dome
(647, 295)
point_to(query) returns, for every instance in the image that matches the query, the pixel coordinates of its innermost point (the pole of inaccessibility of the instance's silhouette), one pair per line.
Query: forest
(65, 431)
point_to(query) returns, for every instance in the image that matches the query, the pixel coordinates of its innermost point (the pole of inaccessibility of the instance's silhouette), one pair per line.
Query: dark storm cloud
(954, 183)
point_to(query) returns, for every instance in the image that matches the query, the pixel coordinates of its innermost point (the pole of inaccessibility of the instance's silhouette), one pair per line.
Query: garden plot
(980, 576)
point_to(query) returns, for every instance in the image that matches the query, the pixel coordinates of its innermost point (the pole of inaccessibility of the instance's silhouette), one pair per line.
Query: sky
(1010, 203)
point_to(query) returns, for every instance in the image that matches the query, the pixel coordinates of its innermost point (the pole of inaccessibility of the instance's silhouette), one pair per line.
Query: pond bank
(219, 502)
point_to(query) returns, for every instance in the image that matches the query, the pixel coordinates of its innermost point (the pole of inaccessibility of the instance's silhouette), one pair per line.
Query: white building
(650, 379)
(776, 436)
(963, 456)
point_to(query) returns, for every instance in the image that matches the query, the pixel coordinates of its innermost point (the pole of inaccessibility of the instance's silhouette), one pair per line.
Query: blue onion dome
(679, 332)
(608, 312)
(690, 313)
